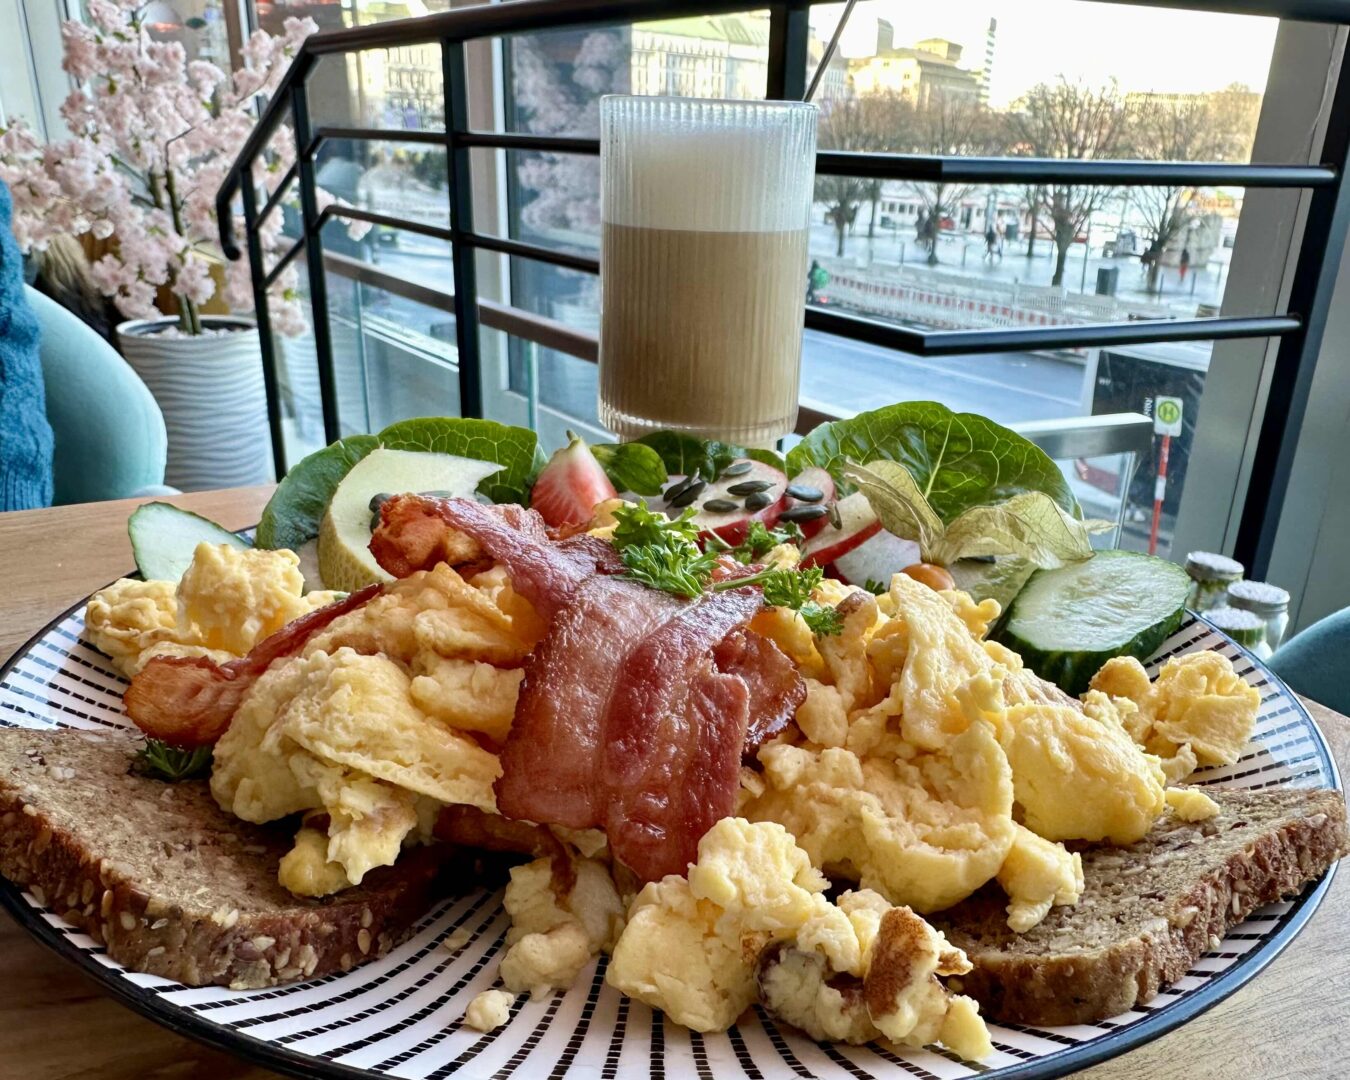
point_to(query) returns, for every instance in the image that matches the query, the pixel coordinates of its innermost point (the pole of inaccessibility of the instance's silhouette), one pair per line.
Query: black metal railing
(1299, 331)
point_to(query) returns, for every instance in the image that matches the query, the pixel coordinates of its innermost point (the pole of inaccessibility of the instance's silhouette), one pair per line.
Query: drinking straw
(829, 51)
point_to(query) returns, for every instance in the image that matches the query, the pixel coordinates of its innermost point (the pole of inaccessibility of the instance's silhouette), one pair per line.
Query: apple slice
(754, 492)
(812, 478)
(876, 559)
(858, 523)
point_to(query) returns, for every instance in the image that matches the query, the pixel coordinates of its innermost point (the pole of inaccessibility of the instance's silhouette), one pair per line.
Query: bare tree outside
(949, 124)
(1218, 127)
(853, 123)
(1070, 120)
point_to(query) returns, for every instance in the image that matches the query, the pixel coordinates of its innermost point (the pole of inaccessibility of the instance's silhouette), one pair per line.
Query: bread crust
(1078, 985)
(72, 869)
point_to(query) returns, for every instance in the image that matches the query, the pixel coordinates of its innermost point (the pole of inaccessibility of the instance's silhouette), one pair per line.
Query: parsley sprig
(760, 540)
(793, 589)
(665, 554)
(164, 762)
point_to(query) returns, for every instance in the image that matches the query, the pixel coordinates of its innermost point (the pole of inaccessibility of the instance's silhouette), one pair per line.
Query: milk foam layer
(709, 166)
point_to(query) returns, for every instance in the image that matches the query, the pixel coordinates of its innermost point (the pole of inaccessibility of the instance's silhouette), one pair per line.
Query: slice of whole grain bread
(170, 883)
(1148, 911)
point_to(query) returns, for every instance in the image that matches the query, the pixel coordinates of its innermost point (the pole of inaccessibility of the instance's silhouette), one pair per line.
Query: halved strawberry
(569, 486)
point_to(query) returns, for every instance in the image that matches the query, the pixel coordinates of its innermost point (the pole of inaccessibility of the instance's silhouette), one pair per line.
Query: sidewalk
(964, 254)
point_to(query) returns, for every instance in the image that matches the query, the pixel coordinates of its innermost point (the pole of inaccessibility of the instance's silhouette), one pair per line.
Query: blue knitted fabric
(25, 435)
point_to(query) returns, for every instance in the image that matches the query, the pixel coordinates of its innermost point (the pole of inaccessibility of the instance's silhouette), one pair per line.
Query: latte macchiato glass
(704, 210)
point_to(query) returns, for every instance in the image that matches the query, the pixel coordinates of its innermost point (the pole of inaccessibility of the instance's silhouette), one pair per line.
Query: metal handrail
(1299, 332)
(1069, 437)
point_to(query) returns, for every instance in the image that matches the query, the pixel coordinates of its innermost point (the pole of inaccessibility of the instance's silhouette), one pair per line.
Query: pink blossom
(152, 137)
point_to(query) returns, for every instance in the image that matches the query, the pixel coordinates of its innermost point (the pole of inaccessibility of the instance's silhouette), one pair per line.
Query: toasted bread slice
(1148, 911)
(170, 883)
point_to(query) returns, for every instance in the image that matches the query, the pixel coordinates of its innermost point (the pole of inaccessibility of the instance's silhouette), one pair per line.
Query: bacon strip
(416, 528)
(674, 732)
(189, 701)
(776, 686)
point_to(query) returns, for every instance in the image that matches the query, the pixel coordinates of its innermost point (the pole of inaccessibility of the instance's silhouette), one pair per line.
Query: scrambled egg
(340, 733)
(926, 830)
(489, 1010)
(916, 741)
(377, 723)
(1077, 777)
(1198, 711)
(692, 944)
(553, 937)
(1037, 875)
(1191, 804)
(228, 600)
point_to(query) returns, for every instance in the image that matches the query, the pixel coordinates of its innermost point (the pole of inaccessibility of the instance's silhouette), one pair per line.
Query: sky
(1143, 48)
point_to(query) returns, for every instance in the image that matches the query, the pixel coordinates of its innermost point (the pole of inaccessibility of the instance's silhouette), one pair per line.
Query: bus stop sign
(1167, 416)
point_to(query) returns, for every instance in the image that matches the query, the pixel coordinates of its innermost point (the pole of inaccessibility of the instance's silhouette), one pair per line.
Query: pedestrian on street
(921, 226)
(990, 240)
(816, 279)
(1184, 264)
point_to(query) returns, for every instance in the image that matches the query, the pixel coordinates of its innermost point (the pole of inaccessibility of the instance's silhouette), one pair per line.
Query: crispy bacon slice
(625, 721)
(674, 731)
(776, 686)
(549, 759)
(415, 531)
(189, 701)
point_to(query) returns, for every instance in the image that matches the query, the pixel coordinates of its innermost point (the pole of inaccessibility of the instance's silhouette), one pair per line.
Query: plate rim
(182, 1021)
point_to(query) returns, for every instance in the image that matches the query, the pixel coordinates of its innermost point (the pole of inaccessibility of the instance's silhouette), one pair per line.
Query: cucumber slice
(163, 538)
(1067, 623)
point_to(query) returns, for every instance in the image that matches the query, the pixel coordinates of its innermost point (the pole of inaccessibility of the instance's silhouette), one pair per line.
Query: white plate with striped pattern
(402, 1015)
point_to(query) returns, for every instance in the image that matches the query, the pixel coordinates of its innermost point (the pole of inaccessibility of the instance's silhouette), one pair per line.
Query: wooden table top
(56, 1024)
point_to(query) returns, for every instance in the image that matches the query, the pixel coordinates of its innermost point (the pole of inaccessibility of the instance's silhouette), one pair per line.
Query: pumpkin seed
(721, 506)
(739, 468)
(749, 487)
(679, 487)
(688, 495)
(374, 521)
(376, 501)
(805, 493)
(835, 519)
(758, 501)
(799, 514)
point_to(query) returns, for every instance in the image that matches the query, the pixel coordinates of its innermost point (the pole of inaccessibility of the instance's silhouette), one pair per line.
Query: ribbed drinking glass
(705, 210)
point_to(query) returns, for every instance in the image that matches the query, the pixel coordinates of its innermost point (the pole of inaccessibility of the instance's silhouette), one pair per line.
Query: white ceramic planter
(210, 389)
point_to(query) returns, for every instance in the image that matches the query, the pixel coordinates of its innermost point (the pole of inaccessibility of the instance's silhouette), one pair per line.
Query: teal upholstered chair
(110, 439)
(1315, 661)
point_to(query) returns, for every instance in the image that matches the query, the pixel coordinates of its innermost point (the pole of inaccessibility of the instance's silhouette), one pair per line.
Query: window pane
(198, 25)
(557, 77)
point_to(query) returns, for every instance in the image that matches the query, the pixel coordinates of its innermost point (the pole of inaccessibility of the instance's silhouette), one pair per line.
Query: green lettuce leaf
(295, 510)
(957, 460)
(515, 449)
(1029, 524)
(683, 454)
(632, 467)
